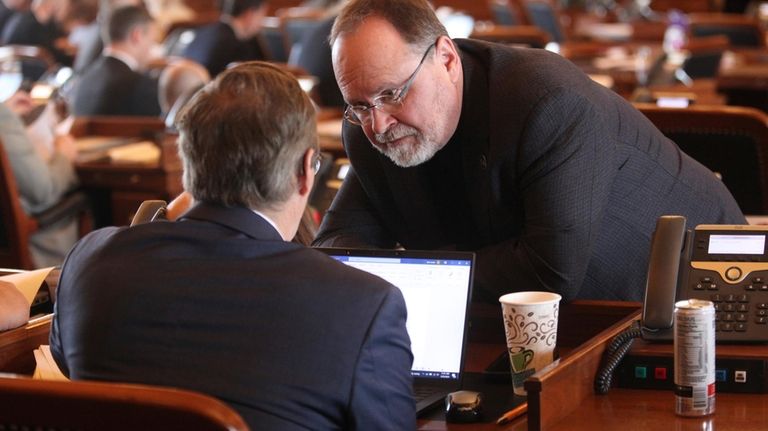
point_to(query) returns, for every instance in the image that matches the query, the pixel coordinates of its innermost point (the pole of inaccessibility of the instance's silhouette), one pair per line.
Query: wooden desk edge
(556, 392)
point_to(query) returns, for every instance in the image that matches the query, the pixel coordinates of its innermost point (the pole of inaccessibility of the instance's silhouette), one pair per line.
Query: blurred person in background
(41, 157)
(229, 40)
(116, 83)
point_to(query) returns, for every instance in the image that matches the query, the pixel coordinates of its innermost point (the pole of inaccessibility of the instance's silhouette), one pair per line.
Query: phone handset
(149, 211)
(665, 269)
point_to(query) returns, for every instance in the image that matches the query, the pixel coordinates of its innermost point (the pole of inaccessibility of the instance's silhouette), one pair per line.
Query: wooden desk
(16, 345)
(583, 330)
(648, 410)
(743, 78)
(621, 409)
(119, 188)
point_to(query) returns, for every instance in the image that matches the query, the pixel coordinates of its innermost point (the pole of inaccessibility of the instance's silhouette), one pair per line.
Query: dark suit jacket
(22, 28)
(110, 87)
(554, 180)
(219, 303)
(216, 45)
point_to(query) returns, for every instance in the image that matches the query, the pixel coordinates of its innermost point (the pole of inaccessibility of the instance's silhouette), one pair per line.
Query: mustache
(394, 133)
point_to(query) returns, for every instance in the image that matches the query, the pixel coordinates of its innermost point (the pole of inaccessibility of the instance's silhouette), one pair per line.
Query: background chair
(741, 30)
(731, 141)
(85, 406)
(704, 55)
(515, 35)
(17, 226)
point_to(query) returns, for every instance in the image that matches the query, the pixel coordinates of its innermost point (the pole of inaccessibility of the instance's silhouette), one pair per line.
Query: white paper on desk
(28, 282)
(140, 152)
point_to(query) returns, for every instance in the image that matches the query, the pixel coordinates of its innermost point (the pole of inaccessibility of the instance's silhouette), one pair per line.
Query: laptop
(437, 287)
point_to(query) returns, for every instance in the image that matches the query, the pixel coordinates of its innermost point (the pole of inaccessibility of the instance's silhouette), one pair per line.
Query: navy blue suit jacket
(216, 45)
(217, 302)
(555, 181)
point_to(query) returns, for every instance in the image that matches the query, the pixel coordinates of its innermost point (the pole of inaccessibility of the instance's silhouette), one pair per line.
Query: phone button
(733, 273)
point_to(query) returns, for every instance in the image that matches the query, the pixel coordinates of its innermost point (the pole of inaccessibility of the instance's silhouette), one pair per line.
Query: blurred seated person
(166, 13)
(8, 8)
(91, 43)
(115, 83)
(41, 25)
(41, 159)
(231, 39)
(179, 80)
(223, 289)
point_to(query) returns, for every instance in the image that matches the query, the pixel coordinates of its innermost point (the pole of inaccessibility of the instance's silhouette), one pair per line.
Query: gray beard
(408, 154)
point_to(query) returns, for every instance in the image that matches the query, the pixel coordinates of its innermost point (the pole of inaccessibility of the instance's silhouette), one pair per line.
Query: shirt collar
(269, 220)
(124, 57)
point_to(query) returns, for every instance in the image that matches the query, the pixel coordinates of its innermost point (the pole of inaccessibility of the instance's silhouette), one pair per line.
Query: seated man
(220, 301)
(229, 40)
(115, 84)
(42, 167)
(42, 25)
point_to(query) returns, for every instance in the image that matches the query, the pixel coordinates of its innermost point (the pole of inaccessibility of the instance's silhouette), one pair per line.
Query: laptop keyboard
(423, 392)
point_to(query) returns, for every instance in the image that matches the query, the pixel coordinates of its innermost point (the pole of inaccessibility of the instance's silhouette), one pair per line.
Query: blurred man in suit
(116, 84)
(220, 301)
(555, 181)
(42, 26)
(231, 39)
(10, 7)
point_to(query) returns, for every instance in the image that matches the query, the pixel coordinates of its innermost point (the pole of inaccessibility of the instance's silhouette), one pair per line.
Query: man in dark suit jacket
(40, 25)
(555, 181)
(231, 39)
(115, 84)
(220, 301)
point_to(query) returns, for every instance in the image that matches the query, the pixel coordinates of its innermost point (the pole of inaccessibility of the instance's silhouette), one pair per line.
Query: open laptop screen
(436, 286)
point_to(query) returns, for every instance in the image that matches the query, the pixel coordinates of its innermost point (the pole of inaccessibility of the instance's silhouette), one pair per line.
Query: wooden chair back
(731, 141)
(516, 35)
(17, 226)
(741, 30)
(85, 406)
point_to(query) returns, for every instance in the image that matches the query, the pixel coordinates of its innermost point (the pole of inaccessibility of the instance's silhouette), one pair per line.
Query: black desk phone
(725, 264)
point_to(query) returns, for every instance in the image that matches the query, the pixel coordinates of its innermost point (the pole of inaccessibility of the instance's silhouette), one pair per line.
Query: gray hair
(243, 136)
(414, 20)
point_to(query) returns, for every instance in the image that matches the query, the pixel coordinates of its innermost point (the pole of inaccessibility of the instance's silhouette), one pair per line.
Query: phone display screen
(736, 244)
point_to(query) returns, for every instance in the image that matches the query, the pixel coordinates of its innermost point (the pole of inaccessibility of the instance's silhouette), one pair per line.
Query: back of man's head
(122, 21)
(236, 8)
(414, 20)
(242, 138)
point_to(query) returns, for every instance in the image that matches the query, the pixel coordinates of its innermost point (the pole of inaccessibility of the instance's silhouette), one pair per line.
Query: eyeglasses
(318, 162)
(391, 102)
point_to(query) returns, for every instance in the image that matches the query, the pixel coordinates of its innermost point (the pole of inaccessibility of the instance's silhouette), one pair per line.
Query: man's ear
(306, 177)
(448, 56)
(134, 36)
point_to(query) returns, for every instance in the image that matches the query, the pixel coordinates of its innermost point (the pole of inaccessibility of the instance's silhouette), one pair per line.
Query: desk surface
(624, 409)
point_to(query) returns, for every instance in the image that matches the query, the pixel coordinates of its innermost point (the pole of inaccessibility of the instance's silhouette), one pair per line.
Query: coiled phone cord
(614, 353)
